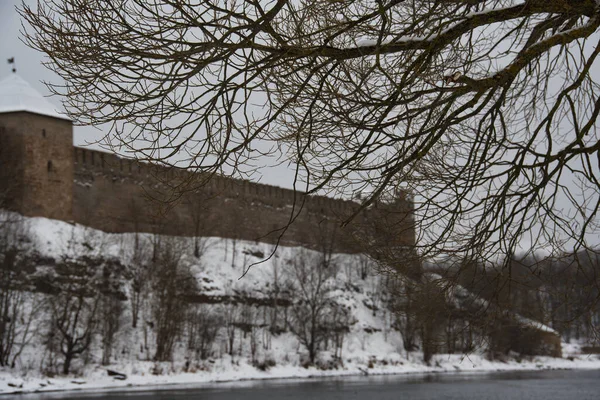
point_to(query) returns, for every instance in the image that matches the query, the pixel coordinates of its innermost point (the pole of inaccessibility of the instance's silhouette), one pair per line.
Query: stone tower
(36, 153)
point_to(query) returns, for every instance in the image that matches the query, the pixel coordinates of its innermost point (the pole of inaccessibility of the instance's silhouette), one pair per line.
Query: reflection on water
(546, 385)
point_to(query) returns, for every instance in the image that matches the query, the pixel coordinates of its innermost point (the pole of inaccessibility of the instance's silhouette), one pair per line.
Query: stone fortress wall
(114, 194)
(43, 174)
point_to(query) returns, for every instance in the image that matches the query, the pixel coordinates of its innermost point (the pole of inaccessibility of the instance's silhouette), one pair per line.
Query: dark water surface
(546, 385)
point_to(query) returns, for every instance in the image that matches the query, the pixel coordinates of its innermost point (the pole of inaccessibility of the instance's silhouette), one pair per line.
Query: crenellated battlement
(96, 162)
(117, 194)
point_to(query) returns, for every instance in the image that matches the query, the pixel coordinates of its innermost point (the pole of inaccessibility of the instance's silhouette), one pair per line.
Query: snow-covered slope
(226, 276)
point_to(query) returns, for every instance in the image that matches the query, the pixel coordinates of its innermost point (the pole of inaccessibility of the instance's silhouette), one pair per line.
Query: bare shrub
(172, 282)
(111, 310)
(312, 302)
(16, 313)
(421, 313)
(248, 323)
(231, 315)
(139, 269)
(72, 308)
(203, 324)
(73, 322)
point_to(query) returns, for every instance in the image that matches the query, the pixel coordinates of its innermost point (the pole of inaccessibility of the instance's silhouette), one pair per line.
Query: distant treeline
(561, 292)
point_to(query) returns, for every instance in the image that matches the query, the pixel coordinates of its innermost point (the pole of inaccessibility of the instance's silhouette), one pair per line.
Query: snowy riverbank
(142, 376)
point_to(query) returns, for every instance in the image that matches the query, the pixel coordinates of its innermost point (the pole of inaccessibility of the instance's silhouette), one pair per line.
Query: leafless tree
(486, 110)
(203, 323)
(111, 310)
(72, 310)
(365, 265)
(111, 298)
(313, 304)
(338, 325)
(249, 324)
(279, 293)
(431, 314)
(402, 304)
(231, 314)
(254, 340)
(274, 293)
(16, 312)
(72, 325)
(139, 268)
(569, 292)
(171, 283)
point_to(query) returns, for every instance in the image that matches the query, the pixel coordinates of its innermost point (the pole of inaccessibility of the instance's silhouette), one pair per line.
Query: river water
(546, 385)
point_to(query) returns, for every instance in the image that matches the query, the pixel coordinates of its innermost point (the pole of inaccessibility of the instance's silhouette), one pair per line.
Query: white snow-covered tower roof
(16, 94)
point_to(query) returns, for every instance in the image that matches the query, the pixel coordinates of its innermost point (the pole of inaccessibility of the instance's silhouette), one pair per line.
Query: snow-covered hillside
(258, 333)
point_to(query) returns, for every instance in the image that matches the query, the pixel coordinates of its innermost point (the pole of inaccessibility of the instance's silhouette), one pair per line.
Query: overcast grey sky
(29, 67)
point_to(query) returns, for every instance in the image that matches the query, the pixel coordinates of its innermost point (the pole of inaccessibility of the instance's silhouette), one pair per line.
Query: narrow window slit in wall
(43, 133)
(49, 166)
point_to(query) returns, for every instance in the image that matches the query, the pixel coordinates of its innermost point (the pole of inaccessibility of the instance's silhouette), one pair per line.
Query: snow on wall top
(16, 94)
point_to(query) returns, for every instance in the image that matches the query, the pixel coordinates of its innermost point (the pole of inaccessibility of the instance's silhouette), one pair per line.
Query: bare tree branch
(485, 110)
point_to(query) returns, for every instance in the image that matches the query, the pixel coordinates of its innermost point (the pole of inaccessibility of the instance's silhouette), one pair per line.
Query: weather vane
(12, 61)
